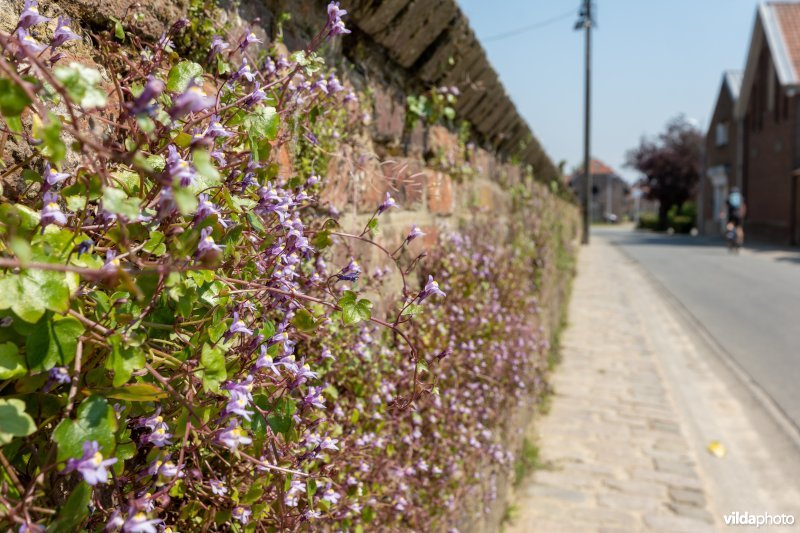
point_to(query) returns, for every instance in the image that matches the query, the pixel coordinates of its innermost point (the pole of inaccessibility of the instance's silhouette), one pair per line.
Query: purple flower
(205, 208)
(160, 435)
(163, 467)
(414, 233)
(242, 514)
(258, 95)
(265, 361)
(216, 129)
(60, 374)
(63, 33)
(331, 496)
(329, 444)
(52, 176)
(237, 404)
(233, 436)
(244, 72)
(30, 15)
(238, 326)
(152, 89)
(91, 466)
(249, 39)
(51, 211)
(335, 14)
(194, 99)
(350, 273)
(432, 287)
(387, 203)
(207, 245)
(218, 44)
(178, 168)
(218, 487)
(31, 45)
(139, 523)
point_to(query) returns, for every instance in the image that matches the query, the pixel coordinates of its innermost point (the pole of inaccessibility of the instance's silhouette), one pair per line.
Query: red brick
(388, 116)
(440, 193)
(406, 179)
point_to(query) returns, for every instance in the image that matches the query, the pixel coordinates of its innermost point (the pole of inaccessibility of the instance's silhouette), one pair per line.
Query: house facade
(722, 164)
(610, 193)
(760, 152)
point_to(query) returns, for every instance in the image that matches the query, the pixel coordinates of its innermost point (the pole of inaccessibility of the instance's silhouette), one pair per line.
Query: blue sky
(652, 61)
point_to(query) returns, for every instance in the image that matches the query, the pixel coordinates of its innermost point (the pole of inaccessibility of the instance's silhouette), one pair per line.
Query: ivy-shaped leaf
(124, 360)
(14, 421)
(11, 363)
(304, 321)
(13, 99)
(262, 123)
(212, 361)
(53, 342)
(116, 201)
(82, 84)
(95, 421)
(49, 134)
(32, 292)
(353, 309)
(182, 74)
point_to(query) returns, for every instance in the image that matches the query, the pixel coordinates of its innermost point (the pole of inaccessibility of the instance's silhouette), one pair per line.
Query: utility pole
(585, 22)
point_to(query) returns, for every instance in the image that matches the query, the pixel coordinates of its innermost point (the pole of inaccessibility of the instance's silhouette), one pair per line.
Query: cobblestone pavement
(618, 447)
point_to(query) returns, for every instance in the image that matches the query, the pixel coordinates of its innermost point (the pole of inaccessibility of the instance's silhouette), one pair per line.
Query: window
(722, 134)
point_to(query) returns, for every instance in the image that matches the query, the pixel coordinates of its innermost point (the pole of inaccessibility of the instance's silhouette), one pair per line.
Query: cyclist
(736, 210)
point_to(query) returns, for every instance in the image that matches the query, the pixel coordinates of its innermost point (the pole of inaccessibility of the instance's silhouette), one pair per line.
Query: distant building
(610, 193)
(758, 149)
(722, 168)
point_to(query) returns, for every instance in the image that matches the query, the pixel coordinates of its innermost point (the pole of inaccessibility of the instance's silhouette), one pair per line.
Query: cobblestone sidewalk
(615, 449)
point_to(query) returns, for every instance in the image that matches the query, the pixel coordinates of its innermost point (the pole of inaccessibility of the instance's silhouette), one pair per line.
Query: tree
(671, 163)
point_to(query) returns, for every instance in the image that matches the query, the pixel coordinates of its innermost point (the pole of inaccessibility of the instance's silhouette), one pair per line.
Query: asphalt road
(749, 303)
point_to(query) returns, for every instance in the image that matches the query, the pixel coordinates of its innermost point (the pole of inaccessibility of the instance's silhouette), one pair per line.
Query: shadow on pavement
(634, 237)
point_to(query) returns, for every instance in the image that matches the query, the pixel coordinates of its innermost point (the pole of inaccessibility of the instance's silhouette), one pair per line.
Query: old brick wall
(441, 181)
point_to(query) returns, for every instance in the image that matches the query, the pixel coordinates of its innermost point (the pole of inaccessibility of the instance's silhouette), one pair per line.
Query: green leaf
(124, 359)
(95, 421)
(304, 321)
(136, 392)
(412, 309)
(119, 31)
(262, 123)
(322, 240)
(13, 99)
(353, 310)
(156, 243)
(185, 199)
(213, 372)
(49, 134)
(280, 419)
(207, 174)
(11, 363)
(311, 489)
(32, 292)
(14, 421)
(182, 74)
(72, 514)
(116, 201)
(82, 84)
(53, 342)
(255, 221)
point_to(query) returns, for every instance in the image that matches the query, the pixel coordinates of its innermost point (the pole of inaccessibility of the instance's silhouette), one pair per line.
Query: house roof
(777, 26)
(733, 81)
(596, 168)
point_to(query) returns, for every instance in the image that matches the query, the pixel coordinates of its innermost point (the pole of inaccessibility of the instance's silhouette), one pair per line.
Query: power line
(532, 27)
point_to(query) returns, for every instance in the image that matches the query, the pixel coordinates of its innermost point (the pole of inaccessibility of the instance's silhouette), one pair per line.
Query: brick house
(722, 167)
(610, 193)
(768, 116)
